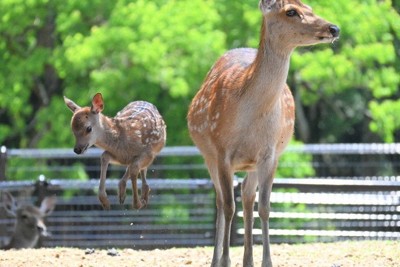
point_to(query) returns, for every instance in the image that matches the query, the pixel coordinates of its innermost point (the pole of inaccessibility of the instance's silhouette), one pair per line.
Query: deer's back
(142, 121)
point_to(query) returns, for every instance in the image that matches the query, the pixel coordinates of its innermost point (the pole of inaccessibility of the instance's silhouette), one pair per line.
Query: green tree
(346, 87)
(129, 50)
(160, 51)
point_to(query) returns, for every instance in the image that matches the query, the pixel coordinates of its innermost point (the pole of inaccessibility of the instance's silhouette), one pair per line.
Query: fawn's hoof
(144, 202)
(122, 199)
(139, 204)
(104, 201)
(145, 194)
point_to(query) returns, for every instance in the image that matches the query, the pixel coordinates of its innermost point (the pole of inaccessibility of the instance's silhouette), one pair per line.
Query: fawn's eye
(291, 13)
(89, 129)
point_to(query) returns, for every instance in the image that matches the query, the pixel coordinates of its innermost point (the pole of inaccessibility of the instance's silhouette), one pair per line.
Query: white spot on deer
(213, 126)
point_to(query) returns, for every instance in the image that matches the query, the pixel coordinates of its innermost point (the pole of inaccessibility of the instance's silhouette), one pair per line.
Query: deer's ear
(71, 104)
(48, 204)
(9, 203)
(97, 103)
(266, 5)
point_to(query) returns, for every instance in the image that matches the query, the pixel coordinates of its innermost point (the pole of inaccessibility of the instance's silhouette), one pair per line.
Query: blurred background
(160, 51)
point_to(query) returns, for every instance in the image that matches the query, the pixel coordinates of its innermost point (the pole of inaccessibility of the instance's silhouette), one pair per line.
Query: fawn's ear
(71, 104)
(266, 5)
(9, 203)
(48, 205)
(97, 103)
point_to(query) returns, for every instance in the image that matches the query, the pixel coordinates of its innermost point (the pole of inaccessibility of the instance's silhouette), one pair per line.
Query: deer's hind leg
(122, 186)
(133, 170)
(145, 188)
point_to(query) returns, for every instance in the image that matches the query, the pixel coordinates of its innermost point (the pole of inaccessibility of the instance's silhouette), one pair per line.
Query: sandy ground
(364, 253)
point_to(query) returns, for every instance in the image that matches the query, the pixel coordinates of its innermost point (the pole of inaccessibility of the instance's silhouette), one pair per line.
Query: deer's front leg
(105, 160)
(145, 188)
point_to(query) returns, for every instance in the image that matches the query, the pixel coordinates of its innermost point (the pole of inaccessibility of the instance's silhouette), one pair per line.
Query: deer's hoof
(139, 204)
(122, 199)
(222, 262)
(145, 194)
(144, 202)
(104, 201)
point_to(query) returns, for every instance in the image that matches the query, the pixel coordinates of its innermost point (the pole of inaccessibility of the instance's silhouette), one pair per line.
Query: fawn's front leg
(105, 160)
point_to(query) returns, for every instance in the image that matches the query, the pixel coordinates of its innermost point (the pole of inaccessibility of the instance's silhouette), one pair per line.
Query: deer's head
(292, 23)
(85, 122)
(29, 220)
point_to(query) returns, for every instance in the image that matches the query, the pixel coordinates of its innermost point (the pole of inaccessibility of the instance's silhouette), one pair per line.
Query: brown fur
(243, 117)
(132, 138)
(29, 224)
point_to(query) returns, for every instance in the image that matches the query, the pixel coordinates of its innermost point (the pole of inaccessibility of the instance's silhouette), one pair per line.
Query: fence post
(3, 163)
(40, 189)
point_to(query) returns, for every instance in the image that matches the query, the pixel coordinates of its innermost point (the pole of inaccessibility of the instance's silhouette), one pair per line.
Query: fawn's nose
(334, 30)
(78, 150)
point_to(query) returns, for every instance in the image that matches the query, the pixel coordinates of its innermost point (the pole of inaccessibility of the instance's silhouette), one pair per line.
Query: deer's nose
(334, 30)
(78, 150)
(42, 229)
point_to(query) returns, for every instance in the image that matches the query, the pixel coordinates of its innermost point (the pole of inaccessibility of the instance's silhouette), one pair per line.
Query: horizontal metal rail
(67, 153)
(332, 233)
(376, 183)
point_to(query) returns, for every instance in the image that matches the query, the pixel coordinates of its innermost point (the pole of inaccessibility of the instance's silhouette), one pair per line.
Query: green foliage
(160, 51)
(144, 50)
(128, 50)
(295, 165)
(386, 118)
(30, 169)
(338, 83)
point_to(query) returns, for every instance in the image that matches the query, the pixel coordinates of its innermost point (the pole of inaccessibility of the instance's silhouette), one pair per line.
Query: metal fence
(355, 194)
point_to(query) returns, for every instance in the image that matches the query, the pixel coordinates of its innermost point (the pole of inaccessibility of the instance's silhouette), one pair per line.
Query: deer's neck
(268, 73)
(108, 136)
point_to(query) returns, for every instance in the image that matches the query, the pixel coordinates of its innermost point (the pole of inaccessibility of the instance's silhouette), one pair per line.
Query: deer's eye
(89, 129)
(291, 13)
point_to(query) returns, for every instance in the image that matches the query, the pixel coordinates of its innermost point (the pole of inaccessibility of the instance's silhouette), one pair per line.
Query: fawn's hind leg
(122, 186)
(145, 188)
(133, 174)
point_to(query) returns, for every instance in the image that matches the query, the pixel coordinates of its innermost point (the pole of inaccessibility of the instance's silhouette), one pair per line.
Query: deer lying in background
(132, 138)
(29, 225)
(243, 117)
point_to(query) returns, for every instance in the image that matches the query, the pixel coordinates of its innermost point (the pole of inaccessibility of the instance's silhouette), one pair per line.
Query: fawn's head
(85, 122)
(29, 220)
(291, 23)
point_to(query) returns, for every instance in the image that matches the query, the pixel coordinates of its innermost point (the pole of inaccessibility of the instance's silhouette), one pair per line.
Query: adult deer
(29, 225)
(243, 117)
(132, 138)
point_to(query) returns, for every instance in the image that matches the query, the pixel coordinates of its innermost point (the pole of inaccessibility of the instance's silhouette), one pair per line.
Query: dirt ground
(364, 253)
